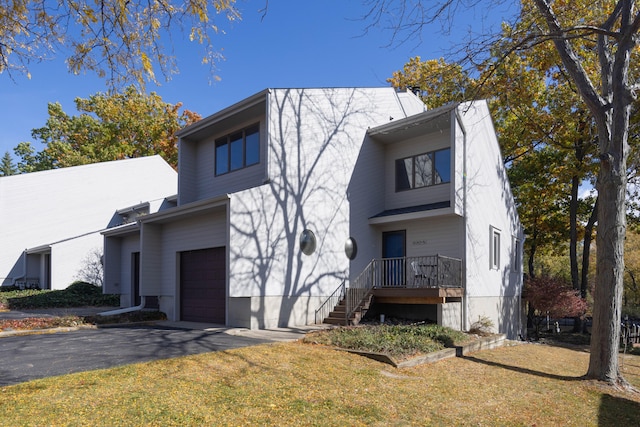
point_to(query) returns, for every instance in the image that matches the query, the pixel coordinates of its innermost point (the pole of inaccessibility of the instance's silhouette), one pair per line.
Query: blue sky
(299, 43)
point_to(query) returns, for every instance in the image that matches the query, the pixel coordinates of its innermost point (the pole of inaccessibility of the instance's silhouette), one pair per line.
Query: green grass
(398, 341)
(78, 294)
(293, 384)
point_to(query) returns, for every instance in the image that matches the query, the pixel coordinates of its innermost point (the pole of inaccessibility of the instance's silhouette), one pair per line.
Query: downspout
(125, 310)
(465, 299)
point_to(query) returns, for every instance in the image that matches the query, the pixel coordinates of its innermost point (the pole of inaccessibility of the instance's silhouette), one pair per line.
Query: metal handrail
(432, 271)
(329, 304)
(359, 289)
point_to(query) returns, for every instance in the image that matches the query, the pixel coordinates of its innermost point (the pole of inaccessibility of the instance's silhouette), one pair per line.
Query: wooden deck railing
(434, 271)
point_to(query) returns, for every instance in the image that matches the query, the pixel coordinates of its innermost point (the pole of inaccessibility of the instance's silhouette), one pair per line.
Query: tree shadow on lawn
(523, 370)
(615, 410)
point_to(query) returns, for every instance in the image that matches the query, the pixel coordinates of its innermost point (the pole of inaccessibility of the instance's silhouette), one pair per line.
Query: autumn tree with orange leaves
(110, 127)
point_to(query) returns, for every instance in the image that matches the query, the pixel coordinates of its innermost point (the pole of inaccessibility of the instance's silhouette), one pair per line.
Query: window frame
(226, 145)
(432, 156)
(494, 248)
(517, 256)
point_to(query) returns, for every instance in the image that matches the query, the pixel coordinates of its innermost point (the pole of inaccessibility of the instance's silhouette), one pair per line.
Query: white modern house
(50, 221)
(295, 199)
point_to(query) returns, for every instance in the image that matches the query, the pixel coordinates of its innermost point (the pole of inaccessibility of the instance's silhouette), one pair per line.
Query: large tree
(123, 41)
(611, 30)
(110, 127)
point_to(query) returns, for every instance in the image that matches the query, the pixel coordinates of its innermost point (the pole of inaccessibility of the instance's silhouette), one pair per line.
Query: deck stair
(339, 316)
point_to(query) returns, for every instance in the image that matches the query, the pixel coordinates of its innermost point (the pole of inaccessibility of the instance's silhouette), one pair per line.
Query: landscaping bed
(401, 343)
(78, 294)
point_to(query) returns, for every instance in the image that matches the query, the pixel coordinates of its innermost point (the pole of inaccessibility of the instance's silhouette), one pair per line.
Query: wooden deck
(399, 295)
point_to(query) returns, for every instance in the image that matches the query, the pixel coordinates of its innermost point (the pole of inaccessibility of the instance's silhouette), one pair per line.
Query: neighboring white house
(290, 193)
(50, 221)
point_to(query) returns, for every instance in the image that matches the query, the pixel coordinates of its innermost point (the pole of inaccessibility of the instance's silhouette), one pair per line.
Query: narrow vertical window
(252, 145)
(495, 249)
(222, 156)
(517, 260)
(236, 146)
(404, 172)
(442, 169)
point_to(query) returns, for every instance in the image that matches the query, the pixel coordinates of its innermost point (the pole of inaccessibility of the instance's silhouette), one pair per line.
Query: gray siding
(152, 269)
(54, 206)
(198, 232)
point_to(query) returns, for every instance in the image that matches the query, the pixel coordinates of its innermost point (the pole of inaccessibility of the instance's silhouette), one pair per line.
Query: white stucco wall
(44, 208)
(490, 292)
(70, 258)
(314, 141)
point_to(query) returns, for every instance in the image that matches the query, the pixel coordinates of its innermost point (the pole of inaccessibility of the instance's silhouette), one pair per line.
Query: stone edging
(485, 343)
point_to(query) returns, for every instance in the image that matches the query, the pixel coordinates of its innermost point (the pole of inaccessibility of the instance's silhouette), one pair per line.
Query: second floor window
(423, 170)
(238, 150)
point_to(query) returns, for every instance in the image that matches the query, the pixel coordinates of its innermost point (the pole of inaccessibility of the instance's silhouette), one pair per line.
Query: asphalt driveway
(28, 357)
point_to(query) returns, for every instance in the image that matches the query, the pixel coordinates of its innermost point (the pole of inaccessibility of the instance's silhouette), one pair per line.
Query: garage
(203, 285)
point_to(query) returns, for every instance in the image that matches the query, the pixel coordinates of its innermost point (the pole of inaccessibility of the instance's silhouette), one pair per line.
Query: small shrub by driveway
(77, 294)
(32, 310)
(46, 321)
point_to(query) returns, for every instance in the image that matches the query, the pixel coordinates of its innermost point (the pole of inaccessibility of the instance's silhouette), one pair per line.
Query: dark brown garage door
(202, 285)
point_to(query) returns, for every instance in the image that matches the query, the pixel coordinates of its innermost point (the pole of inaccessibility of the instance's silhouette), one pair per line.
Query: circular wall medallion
(307, 242)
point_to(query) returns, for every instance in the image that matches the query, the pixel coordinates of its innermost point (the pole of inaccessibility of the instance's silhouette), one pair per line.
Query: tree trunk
(605, 332)
(610, 105)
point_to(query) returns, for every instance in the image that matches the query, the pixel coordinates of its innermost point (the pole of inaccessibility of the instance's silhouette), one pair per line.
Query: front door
(393, 253)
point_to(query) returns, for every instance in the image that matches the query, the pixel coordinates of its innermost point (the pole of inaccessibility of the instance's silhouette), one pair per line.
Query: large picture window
(423, 170)
(238, 150)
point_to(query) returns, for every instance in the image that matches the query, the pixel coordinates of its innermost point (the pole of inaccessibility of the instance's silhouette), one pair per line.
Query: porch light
(307, 242)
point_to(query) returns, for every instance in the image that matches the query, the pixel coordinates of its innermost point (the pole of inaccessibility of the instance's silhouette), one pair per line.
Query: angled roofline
(187, 209)
(411, 121)
(224, 113)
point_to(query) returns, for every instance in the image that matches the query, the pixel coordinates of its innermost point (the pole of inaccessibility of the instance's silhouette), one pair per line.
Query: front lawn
(293, 384)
